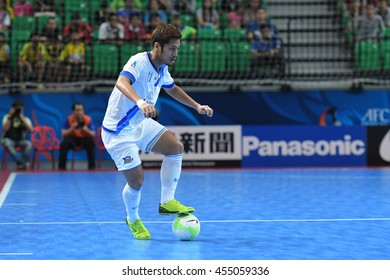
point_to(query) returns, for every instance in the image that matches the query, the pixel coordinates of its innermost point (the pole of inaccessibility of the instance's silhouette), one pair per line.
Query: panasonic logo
(342, 147)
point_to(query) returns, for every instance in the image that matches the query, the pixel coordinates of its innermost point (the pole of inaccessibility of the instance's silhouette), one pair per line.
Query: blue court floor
(319, 214)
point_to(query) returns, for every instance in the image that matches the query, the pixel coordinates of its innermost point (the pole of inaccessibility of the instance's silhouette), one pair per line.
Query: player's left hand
(205, 109)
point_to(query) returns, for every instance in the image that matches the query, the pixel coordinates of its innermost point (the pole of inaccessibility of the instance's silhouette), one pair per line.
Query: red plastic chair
(100, 146)
(44, 141)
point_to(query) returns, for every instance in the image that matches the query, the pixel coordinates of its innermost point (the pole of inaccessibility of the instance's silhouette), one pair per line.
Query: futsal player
(128, 125)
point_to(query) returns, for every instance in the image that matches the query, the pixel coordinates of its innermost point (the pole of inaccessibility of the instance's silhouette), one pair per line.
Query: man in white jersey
(128, 125)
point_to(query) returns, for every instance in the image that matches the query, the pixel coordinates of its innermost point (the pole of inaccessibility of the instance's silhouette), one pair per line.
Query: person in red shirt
(76, 25)
(23, 8)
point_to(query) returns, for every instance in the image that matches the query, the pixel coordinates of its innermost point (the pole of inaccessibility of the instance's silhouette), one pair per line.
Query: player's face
(169, 53)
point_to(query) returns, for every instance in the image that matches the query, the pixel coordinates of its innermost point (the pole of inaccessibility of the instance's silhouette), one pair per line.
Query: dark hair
(264, 26)
(164, 33)
(17, 103)
(75, 104)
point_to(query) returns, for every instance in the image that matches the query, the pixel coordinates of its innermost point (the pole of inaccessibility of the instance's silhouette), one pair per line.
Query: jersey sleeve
(167, 79)
(133, 68)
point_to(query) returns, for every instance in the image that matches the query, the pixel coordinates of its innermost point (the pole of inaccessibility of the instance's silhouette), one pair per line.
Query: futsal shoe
(138, 229)
(174, 207)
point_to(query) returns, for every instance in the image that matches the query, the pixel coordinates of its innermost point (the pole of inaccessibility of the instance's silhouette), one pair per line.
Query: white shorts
(124, 149)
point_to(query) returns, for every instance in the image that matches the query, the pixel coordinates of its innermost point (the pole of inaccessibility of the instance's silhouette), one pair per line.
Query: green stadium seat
(238, 56)
(71, 6)
(128, 50)
(235, 34)
(385, 53)
(26, 23)
(213, 57)
(105, 60)
(209, 34)
(187, 19)
(19, 38)
(188, 59)
(224, 20)
(367, 56)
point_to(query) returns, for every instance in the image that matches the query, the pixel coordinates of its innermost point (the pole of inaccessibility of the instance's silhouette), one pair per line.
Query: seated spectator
(50, 31)
(370, 26)
(266, 49)
(236, 17)
(72, 57)
(76, 25)
(32, 60)
(228, 6)
(5, 60)
(177, 7)
(384, 12)
(23, 8)
(5, 19)
(207, 16)
(155, 20)
(253, 27)
(251, 10)
(15, 128)
(101, 15)
(78, 131)
(187, 32)
(112, 31)
(54, 48)
(154, 6)
(135, 30)
(125, 12)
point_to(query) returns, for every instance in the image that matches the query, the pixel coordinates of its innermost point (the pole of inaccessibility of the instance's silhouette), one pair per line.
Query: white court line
(16, 254)
(208, 221)
(6, 188)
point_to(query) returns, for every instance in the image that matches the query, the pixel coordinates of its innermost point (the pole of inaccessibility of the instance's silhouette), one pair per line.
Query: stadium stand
(318, 43)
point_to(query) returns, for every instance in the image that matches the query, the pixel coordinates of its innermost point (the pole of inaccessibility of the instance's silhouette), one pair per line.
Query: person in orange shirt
(78, 131)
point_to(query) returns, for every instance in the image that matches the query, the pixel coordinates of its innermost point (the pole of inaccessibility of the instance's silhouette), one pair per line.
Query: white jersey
(123, 115)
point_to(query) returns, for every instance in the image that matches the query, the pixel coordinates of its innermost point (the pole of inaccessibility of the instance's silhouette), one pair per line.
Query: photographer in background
(15, 128)
(78, 132)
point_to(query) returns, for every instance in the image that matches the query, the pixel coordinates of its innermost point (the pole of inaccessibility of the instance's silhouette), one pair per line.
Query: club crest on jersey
(134, 64)
(127, 159)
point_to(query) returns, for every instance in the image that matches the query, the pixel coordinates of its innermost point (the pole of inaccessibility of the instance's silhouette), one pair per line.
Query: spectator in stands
(351, 16)
(207, 17)
(267, 48)
(370, 26)
(112, 31)
(32, 59)
(251, 11)
(78, 131)
(23, 8)
(72, 57)
(228, 6)
(155, 20)
(155, 6)
(236, 17)
(384, 12)
(177, 7)
(5, 60)
(44, 7)
(135, 30)
(76, 25)
(15, 128)
(253, 27)
(50, 31)
(101, 15)
(125, 12)
(187, 32)
(54, 48)
(5, 19)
